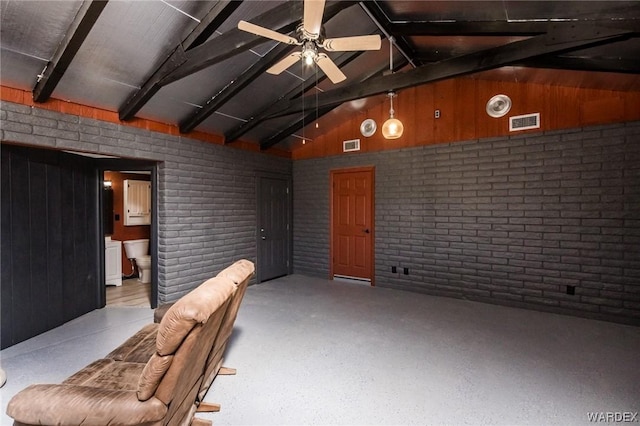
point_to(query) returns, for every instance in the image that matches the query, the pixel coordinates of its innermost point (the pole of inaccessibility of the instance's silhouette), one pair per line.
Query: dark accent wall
(49, 255)
(206, 192)
(518, 220)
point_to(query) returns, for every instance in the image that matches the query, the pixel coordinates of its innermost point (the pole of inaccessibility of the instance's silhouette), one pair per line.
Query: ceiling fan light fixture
(309, 53)
(392, 128)
(310, 35)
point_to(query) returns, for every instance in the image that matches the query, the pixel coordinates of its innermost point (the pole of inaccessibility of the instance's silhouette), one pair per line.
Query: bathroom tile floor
(312, 351)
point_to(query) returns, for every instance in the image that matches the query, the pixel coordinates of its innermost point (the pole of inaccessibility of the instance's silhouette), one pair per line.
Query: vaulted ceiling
(186, 62)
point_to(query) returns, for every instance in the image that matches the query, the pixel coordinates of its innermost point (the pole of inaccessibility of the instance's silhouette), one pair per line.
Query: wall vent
(524, 122)
(351, 145)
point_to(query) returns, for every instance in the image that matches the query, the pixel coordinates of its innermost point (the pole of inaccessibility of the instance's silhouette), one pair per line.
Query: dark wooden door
(352, 223)
(274, 237)
(49, 253)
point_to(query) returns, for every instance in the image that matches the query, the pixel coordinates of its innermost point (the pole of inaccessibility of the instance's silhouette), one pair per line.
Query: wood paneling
(49, 253)
(462, 113)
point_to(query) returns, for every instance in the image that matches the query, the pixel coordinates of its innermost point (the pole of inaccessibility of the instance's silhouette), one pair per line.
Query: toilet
(144, 267)
(138, 250)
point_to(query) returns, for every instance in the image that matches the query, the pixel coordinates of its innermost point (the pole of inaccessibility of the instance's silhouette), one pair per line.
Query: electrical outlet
(436, 114)
(406, 271)
(394, 270)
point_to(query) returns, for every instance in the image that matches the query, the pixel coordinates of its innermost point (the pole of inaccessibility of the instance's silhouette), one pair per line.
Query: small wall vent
(351, 145)
(524, 122)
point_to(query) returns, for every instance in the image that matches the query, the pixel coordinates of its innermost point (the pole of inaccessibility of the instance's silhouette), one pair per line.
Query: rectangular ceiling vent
(524, 122)
(351, 145)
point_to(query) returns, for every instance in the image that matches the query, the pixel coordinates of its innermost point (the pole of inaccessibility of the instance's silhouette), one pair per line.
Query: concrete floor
(312, 351)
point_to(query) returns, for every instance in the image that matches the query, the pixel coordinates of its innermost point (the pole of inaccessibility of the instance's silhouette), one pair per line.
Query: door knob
(366, 231)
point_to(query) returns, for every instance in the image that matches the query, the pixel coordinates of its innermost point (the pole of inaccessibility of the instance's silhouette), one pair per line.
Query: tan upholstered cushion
(159, 312)
(108, 374)
(193, 308)
(152, 374)
(137, 348)
(239, 271)
(155, 376)
(82, 405)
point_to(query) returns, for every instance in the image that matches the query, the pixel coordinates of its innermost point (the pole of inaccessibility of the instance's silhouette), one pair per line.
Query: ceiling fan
(311, 37)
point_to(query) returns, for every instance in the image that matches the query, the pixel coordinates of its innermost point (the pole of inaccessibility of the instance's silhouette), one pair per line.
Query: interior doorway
(273, 233)
(352, 224)
(141, 224)
(127, 196)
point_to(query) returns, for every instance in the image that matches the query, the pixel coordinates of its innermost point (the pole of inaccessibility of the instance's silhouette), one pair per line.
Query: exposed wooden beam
(299, 123)
(207, 26)
(373, 9)
(183, 62)
(437, 54)
(294, 126)
(581, 12)
(561, 38)
(82, 24)
(495, 28)
(255, 120)
(575, 63)
(236, 41)
(468, 28)
(235, 86)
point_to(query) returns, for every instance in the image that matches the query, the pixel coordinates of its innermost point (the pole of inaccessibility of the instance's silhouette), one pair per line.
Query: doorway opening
(127, 212)
(129, 229)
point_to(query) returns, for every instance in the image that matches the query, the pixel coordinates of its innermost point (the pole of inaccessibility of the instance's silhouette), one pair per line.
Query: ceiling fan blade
(285, 63)
(350, 44)
(330, 69)
(265, 32)
(312, 20)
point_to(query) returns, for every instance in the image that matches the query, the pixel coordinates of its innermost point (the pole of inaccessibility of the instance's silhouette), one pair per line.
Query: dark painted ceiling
(186, 63)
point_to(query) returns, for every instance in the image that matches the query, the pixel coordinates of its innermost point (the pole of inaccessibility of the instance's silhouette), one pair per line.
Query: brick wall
(206, 192)
(511, 221)
(508, 220)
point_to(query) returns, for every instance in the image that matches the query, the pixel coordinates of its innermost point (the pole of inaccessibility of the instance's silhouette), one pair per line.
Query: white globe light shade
(392, 128)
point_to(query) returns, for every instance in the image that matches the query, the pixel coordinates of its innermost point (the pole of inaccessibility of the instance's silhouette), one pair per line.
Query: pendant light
(392, 128)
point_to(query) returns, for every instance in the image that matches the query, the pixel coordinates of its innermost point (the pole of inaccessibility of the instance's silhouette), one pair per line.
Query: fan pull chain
(304, 135)
(391, 40)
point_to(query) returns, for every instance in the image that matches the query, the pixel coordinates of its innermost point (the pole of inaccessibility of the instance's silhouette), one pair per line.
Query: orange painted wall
(461, 102)
(25, 97)
(121, 232)
(462, 114)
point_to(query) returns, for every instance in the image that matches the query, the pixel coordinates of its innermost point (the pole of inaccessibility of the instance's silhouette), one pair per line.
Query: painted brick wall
(511, 221)
(206, 194)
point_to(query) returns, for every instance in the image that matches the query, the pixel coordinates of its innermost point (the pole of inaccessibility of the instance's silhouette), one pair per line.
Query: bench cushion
(193, 308)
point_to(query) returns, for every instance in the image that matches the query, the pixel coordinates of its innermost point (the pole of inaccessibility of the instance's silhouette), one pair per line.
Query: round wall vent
(498, 106)
(368, 127)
